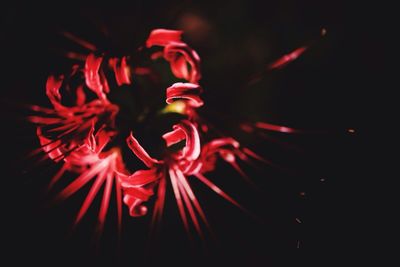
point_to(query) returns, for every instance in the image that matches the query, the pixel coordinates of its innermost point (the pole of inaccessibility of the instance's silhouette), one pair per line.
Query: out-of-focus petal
(286, 59)
(163, 37)
(216, 144)
(274, 127)
(80, 96)
(121, 70)
(52, 148)
(174, 52)
(185, 91)
(53, 91)
(179, 67)
(93, 78)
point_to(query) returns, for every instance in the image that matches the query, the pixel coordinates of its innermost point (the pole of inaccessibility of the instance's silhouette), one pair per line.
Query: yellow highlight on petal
(176, 107)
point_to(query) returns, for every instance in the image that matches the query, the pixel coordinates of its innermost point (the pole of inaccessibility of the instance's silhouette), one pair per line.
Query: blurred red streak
(286, 59)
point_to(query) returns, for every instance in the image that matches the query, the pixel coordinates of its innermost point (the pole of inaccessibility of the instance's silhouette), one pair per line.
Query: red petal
(79, 41)
(83, 179)
(163, 37)
(135, 207)
(185, 91)
(105, 202)
(53, 91)
(179, 67)
(139, 151)
(286, 59)
(121, 70)
(274, 127)
(139, 178)
(80, 96)
(90, 196)
(159, 204)
(157, 55)
(139, 192)
(217, 190)
(175, 187)
(187, 190)
(173, 137)
(92, 76)
(191, 151)
(171, 53)
(53, 149)
(216, 144)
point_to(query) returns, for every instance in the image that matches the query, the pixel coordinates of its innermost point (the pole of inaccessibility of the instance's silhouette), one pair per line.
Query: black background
(328, 88)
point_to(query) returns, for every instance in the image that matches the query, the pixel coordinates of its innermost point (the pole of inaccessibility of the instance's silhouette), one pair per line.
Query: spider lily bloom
(78, 135)
(184, 61)
(66, 127)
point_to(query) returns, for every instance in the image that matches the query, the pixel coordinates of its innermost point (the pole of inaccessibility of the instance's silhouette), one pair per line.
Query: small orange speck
(351, 130)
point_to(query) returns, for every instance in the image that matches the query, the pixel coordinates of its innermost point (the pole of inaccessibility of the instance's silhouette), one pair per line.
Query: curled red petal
(185, 91)
(174, 52)
(179, 67)
(135, 196)
(139, 151)
(286, 59)
(139, 178)
(141, 193)
(53, 85)
(173, 137)
(192, 149)
(163, 37)
(135, 207)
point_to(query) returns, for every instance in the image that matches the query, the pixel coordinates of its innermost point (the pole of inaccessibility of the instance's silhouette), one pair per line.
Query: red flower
(79, 135)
